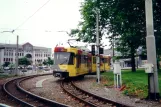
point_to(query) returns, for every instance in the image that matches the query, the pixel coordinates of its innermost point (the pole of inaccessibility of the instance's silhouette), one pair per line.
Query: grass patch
(136, 82)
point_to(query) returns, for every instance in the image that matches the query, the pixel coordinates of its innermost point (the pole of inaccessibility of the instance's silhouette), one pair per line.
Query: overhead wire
(32, 15)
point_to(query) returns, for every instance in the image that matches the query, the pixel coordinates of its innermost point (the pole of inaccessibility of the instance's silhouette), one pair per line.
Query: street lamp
(16, 70)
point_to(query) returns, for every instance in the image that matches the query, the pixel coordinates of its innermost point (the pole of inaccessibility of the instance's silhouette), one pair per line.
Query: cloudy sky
(41, 28)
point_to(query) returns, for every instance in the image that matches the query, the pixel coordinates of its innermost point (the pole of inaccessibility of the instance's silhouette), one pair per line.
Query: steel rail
(100, 99)
(85, 102)
(36, 97)
(117, 104)
(13, 97)
(50, 102)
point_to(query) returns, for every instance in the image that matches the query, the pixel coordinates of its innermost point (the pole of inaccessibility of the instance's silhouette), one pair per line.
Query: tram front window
(63, 58)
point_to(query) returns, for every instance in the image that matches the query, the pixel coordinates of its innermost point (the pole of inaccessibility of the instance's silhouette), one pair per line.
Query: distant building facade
(124, 62)
(38, 54)
(110, 52)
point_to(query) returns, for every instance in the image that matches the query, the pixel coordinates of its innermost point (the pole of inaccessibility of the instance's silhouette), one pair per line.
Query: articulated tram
(73, 62)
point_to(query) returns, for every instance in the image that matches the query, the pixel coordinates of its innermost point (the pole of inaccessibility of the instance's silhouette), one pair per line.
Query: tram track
(87, 98)
(26, 98)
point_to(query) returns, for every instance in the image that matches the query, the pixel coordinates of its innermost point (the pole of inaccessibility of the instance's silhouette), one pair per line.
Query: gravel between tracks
(51, 90)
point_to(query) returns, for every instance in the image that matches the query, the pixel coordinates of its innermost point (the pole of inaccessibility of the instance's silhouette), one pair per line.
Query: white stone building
(8, 54)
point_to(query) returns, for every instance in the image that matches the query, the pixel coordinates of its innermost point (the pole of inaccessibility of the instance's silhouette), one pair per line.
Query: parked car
(6, 68)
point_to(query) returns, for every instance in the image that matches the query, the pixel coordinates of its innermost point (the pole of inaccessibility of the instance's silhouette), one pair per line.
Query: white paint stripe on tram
(39, 83)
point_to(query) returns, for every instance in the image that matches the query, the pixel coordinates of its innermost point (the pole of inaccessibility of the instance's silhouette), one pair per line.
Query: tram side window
(78, 61)
(83, 59)
(107, 61)
(103, 60)
(71, 59)
(86, 59)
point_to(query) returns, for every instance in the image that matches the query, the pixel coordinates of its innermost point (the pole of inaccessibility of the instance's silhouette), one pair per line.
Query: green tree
(24, 61)
(124, 20)
(6, 64)
(45, 62)
(50, 61)
(11, 65)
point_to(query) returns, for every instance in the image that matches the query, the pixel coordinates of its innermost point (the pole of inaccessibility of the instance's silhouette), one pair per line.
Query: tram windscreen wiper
(64, 61)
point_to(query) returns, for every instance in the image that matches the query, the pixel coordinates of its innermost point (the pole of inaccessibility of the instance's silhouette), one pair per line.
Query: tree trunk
(133, 60)
(158, 65)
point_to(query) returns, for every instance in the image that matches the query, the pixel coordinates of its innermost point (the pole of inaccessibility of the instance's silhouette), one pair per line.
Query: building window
(4, 59)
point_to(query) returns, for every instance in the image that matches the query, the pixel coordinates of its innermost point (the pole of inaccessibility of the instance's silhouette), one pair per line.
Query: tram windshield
(63, 58)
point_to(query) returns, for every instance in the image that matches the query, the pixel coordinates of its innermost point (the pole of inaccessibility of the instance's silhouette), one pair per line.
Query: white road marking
(39, 83)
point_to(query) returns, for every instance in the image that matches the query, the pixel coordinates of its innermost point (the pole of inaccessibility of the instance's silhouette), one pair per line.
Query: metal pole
(17, 56)
(113, 45)
(97, 44)
(151, 52)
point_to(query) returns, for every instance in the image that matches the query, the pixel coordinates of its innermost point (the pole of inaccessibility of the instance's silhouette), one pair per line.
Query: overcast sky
(42, 28)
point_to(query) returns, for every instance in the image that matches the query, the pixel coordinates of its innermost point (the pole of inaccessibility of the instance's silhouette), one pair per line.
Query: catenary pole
(153, 93)
(97, 45)
(17, 56)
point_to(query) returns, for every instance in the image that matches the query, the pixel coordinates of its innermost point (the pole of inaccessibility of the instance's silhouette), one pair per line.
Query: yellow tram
(72, 62)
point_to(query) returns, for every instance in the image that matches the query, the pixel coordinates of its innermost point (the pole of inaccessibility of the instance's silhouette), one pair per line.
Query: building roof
(21, 46)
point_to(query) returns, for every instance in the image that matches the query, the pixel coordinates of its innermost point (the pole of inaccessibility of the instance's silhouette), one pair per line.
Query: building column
(1, 57)
(33, 57)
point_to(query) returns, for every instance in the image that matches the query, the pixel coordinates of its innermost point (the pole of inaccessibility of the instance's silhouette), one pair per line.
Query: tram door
(89, 64)
(78, 64)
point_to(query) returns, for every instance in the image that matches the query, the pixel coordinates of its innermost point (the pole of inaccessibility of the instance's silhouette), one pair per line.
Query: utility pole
(153, 93)
(113, 49)
(17, 56)
(98, 46)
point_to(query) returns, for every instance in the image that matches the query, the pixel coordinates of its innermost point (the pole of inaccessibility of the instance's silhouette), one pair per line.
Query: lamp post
(153, 93)
(16, 70)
